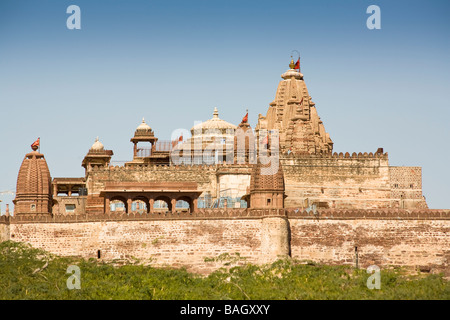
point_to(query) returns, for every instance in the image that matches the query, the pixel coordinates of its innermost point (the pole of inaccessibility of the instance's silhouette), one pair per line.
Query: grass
(29, 273)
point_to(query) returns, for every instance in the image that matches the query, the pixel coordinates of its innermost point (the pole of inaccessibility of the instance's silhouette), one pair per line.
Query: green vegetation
(28, 273)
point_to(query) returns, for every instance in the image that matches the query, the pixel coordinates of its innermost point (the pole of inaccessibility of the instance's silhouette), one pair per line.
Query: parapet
(371, 214)
(340, 155)
(241, 213)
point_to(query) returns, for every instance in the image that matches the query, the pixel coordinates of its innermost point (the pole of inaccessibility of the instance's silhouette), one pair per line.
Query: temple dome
(143, 132)
(143, 126)
(213, 124)
(97, 146)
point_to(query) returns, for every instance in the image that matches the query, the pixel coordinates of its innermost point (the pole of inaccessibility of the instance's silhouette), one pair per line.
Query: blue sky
(172, 62)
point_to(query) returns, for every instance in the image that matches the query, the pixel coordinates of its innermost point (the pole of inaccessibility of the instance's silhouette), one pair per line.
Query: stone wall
(412, 238)
(177, 243)
(60, 202)
(406, 187)
(338, 181)
(424, 244)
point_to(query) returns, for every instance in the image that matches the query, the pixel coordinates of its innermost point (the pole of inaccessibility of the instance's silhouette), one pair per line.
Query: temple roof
(34, 176)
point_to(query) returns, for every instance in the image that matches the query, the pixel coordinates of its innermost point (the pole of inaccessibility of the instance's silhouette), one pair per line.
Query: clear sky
(172, 62)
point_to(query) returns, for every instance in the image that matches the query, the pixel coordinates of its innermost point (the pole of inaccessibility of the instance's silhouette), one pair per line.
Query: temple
(214, 167)
(276, 190)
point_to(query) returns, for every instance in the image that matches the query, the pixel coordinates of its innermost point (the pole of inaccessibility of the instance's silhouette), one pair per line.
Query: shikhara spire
(295, 116)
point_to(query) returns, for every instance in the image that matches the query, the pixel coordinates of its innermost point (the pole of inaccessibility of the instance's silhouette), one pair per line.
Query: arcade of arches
(150, 197)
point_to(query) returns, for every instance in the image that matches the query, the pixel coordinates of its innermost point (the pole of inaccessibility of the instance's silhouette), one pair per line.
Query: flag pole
(39, 145)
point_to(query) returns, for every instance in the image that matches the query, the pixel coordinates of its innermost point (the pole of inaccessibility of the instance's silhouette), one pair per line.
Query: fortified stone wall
(406, 187)
(173, 242)
(418, 239)
(338, 181)
(412, 238)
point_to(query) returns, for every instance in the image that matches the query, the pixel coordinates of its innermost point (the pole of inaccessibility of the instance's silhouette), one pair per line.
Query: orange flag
(36, 143)
(297, 64)
(245, 119)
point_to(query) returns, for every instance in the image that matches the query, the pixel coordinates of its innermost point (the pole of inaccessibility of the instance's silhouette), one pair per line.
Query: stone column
(55, 190)
(151, 203)
(107, 205)
(274, 239)
(129, 202)
(194, 205)
(174, 202)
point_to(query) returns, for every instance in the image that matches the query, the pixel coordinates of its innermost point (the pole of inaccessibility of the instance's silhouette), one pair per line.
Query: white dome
(143, 126)
(214, 123)
(97, 146)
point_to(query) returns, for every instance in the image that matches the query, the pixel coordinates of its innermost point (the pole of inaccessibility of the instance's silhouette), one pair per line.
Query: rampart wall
(412, 238)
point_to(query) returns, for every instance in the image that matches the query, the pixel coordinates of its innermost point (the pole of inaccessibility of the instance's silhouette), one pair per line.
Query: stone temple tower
(267, 195)
(267, 186)
(33, 193)
(293, 113)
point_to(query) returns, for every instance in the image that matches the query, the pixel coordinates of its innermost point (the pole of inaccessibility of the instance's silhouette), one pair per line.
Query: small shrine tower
(33, 191)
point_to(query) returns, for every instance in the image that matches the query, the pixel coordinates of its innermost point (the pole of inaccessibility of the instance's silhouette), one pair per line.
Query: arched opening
(118, 205)
(140, 205)
(162, 204)
(184, 204)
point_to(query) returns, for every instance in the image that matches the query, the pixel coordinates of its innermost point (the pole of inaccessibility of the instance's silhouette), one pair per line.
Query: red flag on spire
(180, 138)
(297, 64)
(36, 143)
(245, 119)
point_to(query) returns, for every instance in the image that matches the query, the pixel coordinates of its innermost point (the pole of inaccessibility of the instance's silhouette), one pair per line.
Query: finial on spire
(143, 120)
(295, 65)
(292, 64)
(215, 113)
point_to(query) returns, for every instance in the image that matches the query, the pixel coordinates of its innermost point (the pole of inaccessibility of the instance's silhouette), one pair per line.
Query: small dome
(97, 146)
(143, 126)
(214, 123)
